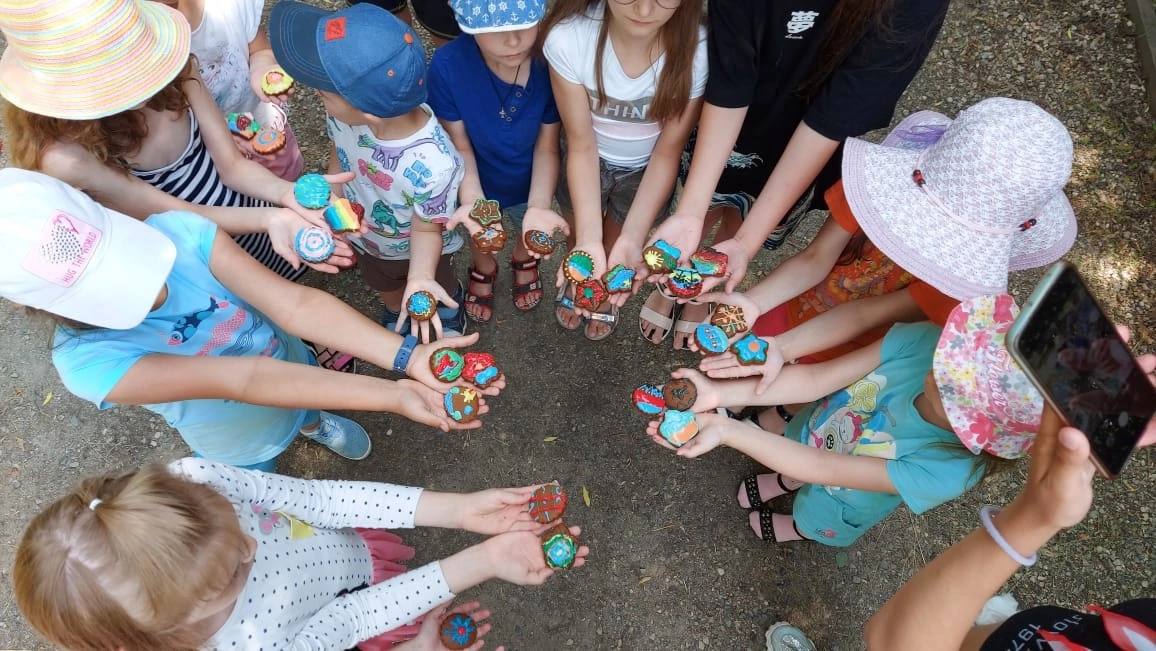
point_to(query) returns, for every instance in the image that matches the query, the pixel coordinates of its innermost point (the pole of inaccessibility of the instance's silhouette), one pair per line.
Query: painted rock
(462, 404)
(421, 306)
(459, 631)
(268, 141)
(619, 279)
(648, 399)
(311, 191)
(243, 125)
(660, 257)
(314, 244)
(341, 217)
(446, 364)
(559, 546)
(750, 350)
(709, 262)
(590, 293)
(578, 266)
(684, 283)
(486, 212)
(276, 82)
(678, 427)
(540, 242)
(490, 239)
(730, 319)
(679, 394)
(710, 339)
(481, 369)
(548, 503)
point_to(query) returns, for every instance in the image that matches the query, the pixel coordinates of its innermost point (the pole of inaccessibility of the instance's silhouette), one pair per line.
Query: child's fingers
(401, 319)
(730, 372)
(339, 177)
(463, 608)
(765, 383)
(725, 360)
(437, 326)
(657, 438)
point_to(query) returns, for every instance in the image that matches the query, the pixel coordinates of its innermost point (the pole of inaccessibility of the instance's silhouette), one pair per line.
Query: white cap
(66, 254)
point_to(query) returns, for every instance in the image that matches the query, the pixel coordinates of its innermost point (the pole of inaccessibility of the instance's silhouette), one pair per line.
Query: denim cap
(485, 16)
(363, 53)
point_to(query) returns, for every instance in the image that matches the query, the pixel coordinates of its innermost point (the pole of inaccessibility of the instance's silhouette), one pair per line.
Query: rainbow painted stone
(678, 427)
(619, 279)
(750, 350)
(548, 503)
(481, 369)
(314, 244)
(578, 266)
(462, 404)
(648, 399)
(421, 306)
(709, 262)
(341, 217)
(684, 283)
(710, 339)
(679, 394)
(540, 242)
(276, 82)
(589, 294)
(311, 191)
(446, 364)
(730, 319)
(661, 257)
(490, 239)
(458, 631)
(243, 125)
(559, 546)
(486, 212)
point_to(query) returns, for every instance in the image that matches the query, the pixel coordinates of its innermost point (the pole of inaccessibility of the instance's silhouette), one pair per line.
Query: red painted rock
(548, 503)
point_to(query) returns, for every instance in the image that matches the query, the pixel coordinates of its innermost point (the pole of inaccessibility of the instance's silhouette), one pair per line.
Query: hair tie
(96, 501)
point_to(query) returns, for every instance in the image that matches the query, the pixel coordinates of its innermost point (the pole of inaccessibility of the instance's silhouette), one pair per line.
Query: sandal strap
(754, 498)
(767, 525)
(524, 265)
(522, 290)
(485, 279)
(486, 300)
(604, 317)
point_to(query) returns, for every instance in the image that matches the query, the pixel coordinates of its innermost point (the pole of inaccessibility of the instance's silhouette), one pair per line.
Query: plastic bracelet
(986, 516)
(401, 360)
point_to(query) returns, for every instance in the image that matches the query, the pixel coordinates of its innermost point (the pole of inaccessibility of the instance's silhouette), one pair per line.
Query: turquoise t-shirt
(199, 317)
(876, 417)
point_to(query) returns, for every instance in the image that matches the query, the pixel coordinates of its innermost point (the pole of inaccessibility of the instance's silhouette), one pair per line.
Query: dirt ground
(673, 563)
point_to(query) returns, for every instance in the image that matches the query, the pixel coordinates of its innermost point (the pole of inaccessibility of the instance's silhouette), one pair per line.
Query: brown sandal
(523, 290)
(484, 300)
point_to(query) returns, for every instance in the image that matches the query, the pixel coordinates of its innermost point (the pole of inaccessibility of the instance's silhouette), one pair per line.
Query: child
(204, 555)
(233, 55)
(1001, 164)
(493, 97)
(172, 315)
(627, 78)
(369, 69)
(896, 434)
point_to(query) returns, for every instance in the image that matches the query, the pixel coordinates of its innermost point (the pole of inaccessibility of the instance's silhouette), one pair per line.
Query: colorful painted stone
(660, 257)
(486, 212)
(730, 318)
(481, 369)
(462, 404)
(678, 427)
(710, 339)
(648, 399)
(446, 364)
(679, 394)
(243, 125)
(314, 244)
(709, 262)
(578, 266)
(589, 294)
(341, 217)
(560, 547)
(276, 82)
(421, 306)
(311, 191)
(548, 503)
(268, 141)
(619, 279)
(490, 239)
(684, 282)
(458, 631)
(540, 242)
(750, 350)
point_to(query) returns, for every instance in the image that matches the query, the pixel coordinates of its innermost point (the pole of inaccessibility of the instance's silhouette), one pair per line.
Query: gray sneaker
(343, 436)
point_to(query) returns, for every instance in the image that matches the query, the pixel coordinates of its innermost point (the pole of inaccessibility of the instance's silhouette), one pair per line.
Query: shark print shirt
(396, 181)
(199, 317)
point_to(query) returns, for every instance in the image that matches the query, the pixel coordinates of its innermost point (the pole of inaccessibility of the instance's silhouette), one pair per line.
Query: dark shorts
(434, 15)
(619, 185)
(392, 275)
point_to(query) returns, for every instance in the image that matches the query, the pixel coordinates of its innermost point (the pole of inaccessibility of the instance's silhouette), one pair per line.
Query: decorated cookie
(458, 631)
(684, 283)
(548, 503)
(486, 212)
(540, 242)
(578, 266)
(619, 279)
(481, 369)
(421, 305)
(750, 350)
(243, 124)
(490, 239)
(678, 427)
(341, 217)
(709, 262)
(730, 319)
(648, 399)
(710, 339)
(311, 191)
(314, 244)
(560, 547)
(589, 294)
(462, 404)
(660, 257)
(268, 141)
(446, 364)
(276, 82)
(679, 394)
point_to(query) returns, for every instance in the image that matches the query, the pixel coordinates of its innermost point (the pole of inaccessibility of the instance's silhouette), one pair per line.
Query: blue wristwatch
(401, 360)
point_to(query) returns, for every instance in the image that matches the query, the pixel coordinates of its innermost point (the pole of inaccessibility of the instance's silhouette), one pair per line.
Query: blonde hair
(122, 561)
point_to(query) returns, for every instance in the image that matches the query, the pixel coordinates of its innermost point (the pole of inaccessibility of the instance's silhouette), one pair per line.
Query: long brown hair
(672, 93)
(849, 22)
(127, 572)
(110, 139)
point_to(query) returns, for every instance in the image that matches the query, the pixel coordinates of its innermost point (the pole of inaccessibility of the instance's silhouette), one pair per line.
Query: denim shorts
(619, 185)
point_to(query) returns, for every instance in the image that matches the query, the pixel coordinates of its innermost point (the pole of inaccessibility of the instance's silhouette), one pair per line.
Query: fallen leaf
(47, 399)
(645, 579)
(586, 496)
(550, 439)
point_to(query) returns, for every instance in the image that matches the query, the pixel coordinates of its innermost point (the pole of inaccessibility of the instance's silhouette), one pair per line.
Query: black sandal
(485, 300)
(767, 527)
(754, 498)
(520, 291)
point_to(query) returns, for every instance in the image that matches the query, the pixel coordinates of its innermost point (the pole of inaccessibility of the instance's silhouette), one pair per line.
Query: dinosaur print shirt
(200, 316)
(397, 181)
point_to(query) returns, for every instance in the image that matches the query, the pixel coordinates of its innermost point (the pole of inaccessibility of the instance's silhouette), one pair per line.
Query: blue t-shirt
(876, 416)
(199, 317)
(462, 88)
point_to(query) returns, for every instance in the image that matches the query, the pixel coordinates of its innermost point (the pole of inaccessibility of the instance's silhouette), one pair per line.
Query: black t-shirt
(1021, 632)
(761, 52)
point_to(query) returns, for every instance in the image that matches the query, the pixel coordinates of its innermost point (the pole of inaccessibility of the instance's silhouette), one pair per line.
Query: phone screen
(1076, 355)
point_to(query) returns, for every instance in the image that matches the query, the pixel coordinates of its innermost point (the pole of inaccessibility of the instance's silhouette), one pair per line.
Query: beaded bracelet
(985, 516)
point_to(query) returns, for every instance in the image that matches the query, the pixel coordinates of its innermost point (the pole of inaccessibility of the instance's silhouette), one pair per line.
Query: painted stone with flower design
(458, 631)
(446, 364)
(618, 279)
(490, 239)
(421, 305)
(750, 350)
(548, 503)
(578, 266)
(560, 547)
(539, 242)
(481, 369)
(730, 318)
(709, 262)
(590, 293)
(486, 212)
(648, 399)
(462, 404)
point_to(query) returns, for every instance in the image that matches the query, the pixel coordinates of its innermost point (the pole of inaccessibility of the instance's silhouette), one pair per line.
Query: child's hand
(419, 366)
(517, 557)
(726, 366)
(429, 638)
(740, 300)
(709, 392)
(547, 221)
(628, 253)
(711, 428)
(424, 405)
(680, 230)
(461, 216)
(421, 329)
(598, 255)
(737, 262)
(316, 217)
(282, 225)
(258, 67)
(497, 510)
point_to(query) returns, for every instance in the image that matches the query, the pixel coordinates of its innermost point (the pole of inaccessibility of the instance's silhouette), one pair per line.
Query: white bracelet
(985, 516)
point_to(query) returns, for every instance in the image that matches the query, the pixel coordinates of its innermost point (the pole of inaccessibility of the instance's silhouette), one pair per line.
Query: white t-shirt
(625, 134)
(221, 45)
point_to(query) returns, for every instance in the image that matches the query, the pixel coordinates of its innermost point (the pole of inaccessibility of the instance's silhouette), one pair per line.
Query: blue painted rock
(421, 306)
(678, 427)
(710, 339)
(314, 244)
(560, 547)
(311, 191)
(750, 350)
(648, 399)
(619, 279)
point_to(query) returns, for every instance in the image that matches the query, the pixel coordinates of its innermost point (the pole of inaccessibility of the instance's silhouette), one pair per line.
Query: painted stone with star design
(486, 212)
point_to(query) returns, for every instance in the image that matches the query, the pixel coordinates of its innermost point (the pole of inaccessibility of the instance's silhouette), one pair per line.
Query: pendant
(502, 113)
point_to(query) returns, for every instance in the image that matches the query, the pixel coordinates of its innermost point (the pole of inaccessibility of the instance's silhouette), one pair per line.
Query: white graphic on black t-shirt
(800, 22)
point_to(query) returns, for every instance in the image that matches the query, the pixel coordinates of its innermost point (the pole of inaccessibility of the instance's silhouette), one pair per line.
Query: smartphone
(1071, 351)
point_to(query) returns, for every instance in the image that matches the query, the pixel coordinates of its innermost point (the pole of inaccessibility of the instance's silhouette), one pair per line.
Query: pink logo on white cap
(66, 246)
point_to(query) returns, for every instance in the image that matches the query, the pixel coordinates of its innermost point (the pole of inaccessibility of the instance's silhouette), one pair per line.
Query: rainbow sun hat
(88, 59)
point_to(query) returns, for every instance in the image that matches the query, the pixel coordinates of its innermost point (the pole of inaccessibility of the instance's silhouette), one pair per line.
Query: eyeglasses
(665, 4)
